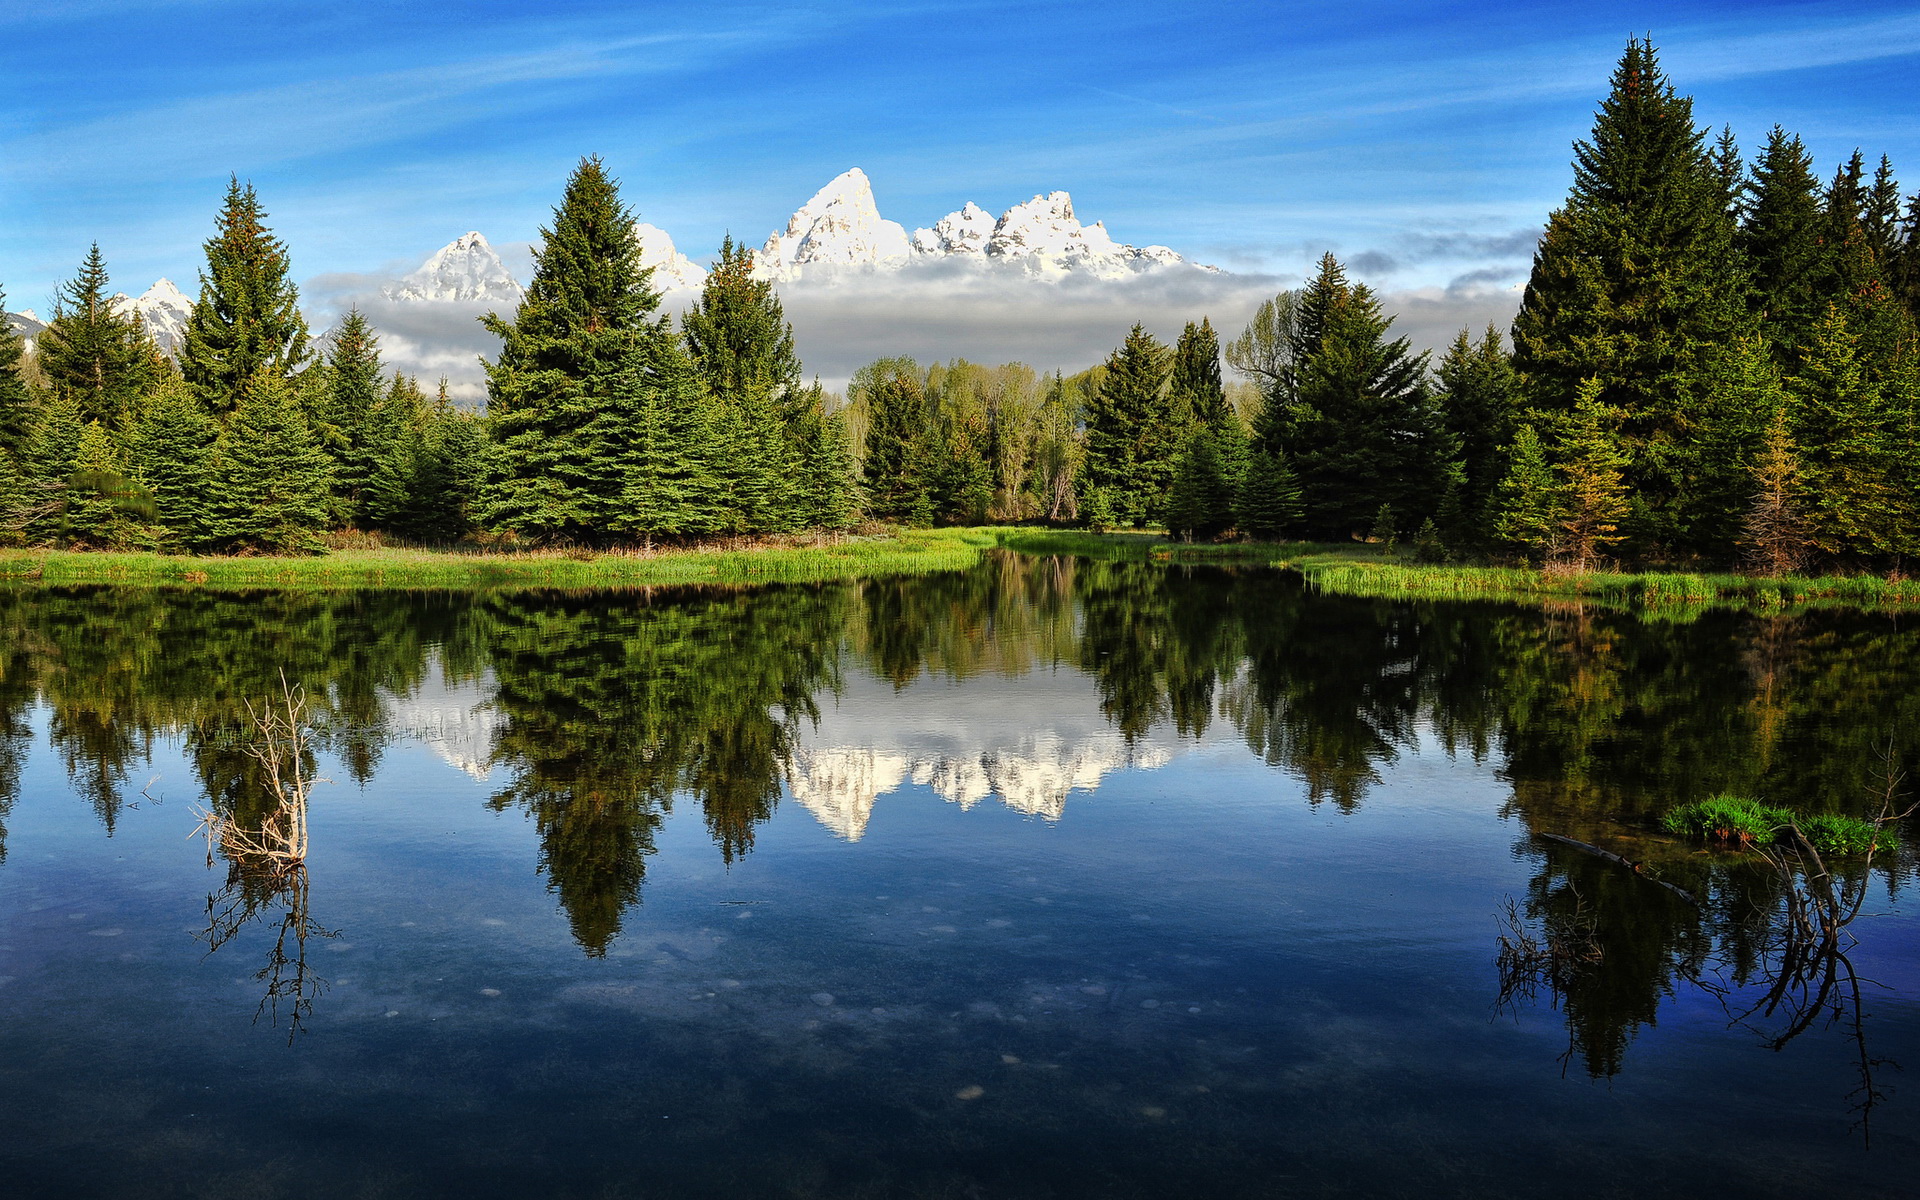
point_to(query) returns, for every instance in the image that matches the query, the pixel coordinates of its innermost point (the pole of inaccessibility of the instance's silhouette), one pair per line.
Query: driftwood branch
(1620, 860)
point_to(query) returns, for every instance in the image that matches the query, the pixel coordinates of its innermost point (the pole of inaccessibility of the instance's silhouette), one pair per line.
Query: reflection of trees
(616, 703)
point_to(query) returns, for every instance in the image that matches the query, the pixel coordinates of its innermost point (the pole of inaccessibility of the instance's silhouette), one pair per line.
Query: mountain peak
(840, 226)
(465, 269)
(163, 309)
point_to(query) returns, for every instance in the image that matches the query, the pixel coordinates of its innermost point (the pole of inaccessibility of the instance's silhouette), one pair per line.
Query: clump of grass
(1738, 821)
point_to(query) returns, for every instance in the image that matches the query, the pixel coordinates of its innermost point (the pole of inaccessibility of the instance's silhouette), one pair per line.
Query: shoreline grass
(1363, 571)
(1737, 822)
(907, 552)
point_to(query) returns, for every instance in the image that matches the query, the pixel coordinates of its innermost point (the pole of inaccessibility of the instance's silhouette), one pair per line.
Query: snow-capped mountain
(672, 270)
(466, 270)
(841, 228)
(163, 309)
(27, 324)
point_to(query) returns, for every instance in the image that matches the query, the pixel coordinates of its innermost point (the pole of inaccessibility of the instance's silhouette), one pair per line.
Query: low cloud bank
(931, 312)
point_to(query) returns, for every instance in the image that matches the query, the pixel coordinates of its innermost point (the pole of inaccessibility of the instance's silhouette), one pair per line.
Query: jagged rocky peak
(964, 232)
(840, 227)
(672, 270)
(465, 269)
(163, 309)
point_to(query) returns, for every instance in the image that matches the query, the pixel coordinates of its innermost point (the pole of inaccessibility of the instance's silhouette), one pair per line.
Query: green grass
(1737, 821)
(1346, 569)
(906, 552)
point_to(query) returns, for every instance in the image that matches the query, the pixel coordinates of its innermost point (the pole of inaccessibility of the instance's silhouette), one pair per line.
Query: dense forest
(1715, 362)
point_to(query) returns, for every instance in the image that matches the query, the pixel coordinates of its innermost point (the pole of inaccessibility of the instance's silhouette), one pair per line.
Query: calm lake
(1051, 878)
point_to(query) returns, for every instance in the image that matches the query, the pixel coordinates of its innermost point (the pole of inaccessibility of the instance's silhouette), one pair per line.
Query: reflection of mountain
(455, 720)
(965, 743)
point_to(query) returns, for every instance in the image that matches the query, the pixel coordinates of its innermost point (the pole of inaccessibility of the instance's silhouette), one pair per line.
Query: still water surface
(1046, 879)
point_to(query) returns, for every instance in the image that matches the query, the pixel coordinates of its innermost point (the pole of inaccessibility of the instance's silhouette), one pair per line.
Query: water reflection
(1028, 681)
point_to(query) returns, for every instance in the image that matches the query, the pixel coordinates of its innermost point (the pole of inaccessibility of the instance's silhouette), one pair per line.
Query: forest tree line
(1714, 362)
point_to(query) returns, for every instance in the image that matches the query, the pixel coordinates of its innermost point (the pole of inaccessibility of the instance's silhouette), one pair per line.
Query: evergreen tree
(1781, 239)
(246, 324)
(173, 456)
(1200, 504)
(671, 489)
(1361, 429)
(1839, 422)
(1131, 431)
(1635, 285)
(349, 430)
(391, 448)
(1528, 502)
(829, 498)
(740, 341)
(1267, 504)
(1881, 216)
(556, 420)
(271, 489)
(1594, 490)
(1776, 538)
(1480, 397)
(17, 404)
(1744, 391)
(894, 466)
(103, 508)
(103, 362)
(1194, 388)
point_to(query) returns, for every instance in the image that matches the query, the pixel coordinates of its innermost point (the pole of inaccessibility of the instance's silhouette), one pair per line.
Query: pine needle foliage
(246, 325)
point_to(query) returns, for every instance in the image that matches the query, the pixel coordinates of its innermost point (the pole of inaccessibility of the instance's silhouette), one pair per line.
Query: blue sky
(1425, 140)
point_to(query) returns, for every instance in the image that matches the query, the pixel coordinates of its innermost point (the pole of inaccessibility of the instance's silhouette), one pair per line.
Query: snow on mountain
(1044, 236)
(672, 270)
(27, 324)
(840, 227)
(965, 232)
(163, 309)
(457, 721)
(465, 269)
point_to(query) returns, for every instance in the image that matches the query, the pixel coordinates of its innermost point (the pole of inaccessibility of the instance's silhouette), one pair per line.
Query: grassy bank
(1343, 569)
(908, 552)
(1357, 570)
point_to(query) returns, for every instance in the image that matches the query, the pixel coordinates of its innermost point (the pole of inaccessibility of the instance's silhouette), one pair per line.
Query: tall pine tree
(1480, 397)
(271, 480)
(100, 360)
(557, 420)
(17, 403)
(246, 325)
(1131, 434)
(1635, 285)
(1780, 237)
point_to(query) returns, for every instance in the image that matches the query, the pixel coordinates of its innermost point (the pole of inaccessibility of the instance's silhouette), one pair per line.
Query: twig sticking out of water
(280, 747)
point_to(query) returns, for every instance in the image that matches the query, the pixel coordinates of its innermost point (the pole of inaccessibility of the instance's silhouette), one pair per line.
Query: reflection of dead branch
(266, 861)
(249, 895)
(1565, 947)
(1805, 958)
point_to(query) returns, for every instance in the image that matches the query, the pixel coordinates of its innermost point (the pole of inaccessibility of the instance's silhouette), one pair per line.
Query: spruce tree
(1840, 423)
(829, 496)
(1480, 397)
(671, 489)
(1635, 284)
(173, 450)
(271, 481)
(352, 396)
(103, 508)
(1200, 504)
(103, 362)
(1780, 238)
(1194, 388)
(246, 325)
(1594, 492)
(1130, 436)
(1361, 429)
(1775, 536)
(742, 346)
(1528, 502)
(893, 465)
(556, 420)
(1267, 504)
(17, 403)
(1880, 216)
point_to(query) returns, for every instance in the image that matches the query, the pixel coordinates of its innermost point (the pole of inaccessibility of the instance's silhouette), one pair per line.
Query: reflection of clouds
(1028, 742)
(454, 720)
